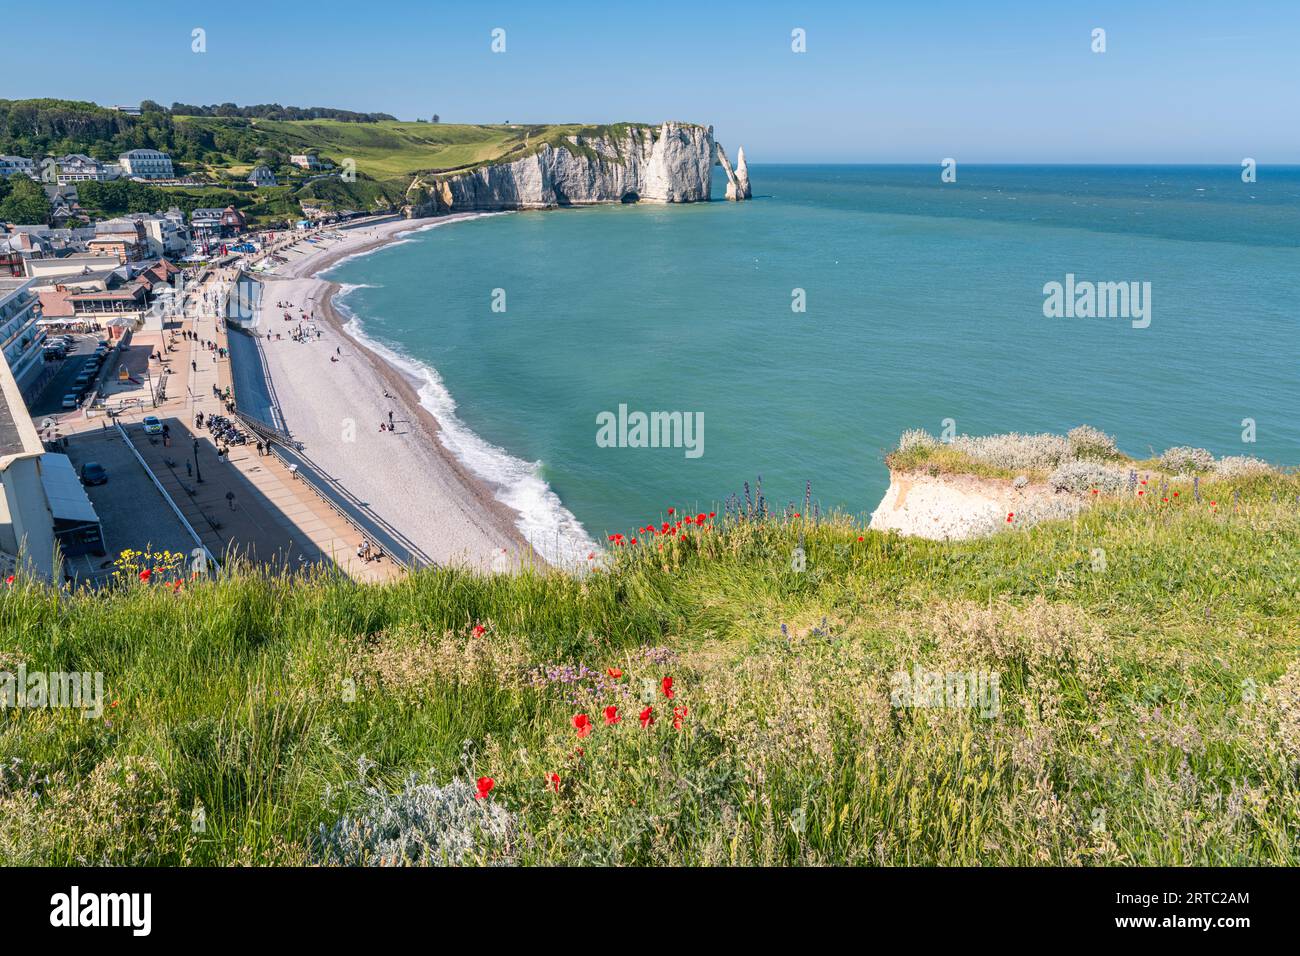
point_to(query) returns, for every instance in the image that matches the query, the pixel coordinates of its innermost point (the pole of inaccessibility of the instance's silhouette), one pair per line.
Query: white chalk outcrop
(666, 164)
(737, 178)
(956, 507)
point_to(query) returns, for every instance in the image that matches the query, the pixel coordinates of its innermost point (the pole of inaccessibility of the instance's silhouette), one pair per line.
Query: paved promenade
(246, 503)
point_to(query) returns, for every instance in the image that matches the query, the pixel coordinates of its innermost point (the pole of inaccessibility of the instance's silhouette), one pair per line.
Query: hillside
(222, 150)
(885, 700)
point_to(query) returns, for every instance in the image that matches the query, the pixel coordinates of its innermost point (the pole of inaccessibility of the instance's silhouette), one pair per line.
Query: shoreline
(451, 513)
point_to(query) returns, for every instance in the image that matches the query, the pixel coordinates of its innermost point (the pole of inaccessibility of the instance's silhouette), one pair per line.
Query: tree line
(49, 127)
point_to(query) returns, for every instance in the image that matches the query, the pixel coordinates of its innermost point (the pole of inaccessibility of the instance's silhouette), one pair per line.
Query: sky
(998, 81)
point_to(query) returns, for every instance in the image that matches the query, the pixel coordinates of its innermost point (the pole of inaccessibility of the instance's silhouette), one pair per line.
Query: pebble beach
(335, 394)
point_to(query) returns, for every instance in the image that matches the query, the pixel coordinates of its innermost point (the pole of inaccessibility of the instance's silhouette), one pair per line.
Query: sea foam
(543, 520)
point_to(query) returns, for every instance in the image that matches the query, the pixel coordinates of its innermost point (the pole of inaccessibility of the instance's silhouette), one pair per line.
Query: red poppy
(1010, 515)
(145, 574)
(797, 515)
(1213, 504)
(582, 724)
(591, 555)
(1141, 493)
(667, 685)
(611, 716)
(672, 511)
(614, 672)
(701, 518)
(647, 717)
(9, 580)
(555, 782)
(1144, 482)
(1094, 491)
(679, 714)
(713, 514)
(485, 785)
(634, 540)
(479, 630)
(1175, 494)
(861, 538)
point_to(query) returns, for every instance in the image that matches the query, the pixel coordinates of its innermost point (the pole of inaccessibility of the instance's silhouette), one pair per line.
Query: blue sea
(922, 301)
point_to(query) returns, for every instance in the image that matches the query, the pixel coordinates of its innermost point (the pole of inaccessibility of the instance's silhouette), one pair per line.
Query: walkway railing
(353, 511)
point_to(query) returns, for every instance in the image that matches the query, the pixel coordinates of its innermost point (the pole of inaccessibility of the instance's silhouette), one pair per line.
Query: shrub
(1088, 442)
(916, 438)
(420, 825)
(1184, 461)
(1081, 476)
(1234, 466)
(1015, 451)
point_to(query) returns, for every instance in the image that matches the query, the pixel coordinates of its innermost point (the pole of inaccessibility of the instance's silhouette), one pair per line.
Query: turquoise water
(924, 301)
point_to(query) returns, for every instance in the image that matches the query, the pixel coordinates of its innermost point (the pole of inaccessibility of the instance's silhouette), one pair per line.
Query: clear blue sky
(1182, 81)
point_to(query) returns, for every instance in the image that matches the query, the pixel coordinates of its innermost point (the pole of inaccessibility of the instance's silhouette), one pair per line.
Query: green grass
(395, 149)
(1148, 699)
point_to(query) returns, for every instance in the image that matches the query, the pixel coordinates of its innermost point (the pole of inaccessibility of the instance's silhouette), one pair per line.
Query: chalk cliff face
(666, 164)
(956, 507)
(738, 178)
(742, 174)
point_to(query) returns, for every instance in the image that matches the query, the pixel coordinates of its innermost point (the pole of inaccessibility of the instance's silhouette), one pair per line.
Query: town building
(262, 176)
(233, 222)
(305, 160)
(46, 270)
(77, 168)
(146, 164)
(26, 518)
(166, 234)
(21, 337)
(18, 166)
(122, 237)
(205, 225)
(99, 299)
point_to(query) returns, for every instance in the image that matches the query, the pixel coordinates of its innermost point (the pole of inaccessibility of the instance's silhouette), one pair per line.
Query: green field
(391, 150)
(388, 154)
(1148, 708)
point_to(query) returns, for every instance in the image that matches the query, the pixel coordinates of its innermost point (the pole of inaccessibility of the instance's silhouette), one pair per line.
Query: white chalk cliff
(738, 178)
(670, 163)
(742, 174)
(948, 507)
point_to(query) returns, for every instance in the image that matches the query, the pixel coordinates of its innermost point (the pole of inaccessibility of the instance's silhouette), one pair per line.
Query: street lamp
(198, 475)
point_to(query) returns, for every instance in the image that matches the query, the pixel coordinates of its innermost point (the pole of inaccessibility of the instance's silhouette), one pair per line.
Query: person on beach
(390, 421)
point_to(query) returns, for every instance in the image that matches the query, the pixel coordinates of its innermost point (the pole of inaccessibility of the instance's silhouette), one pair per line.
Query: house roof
(55, 304)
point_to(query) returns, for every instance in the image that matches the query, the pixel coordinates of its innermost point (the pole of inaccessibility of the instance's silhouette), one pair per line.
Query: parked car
(71, 401)
(93, 473)
(152, 426)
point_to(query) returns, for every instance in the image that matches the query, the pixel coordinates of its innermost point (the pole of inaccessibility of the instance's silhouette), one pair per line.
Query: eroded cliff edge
(669, 163)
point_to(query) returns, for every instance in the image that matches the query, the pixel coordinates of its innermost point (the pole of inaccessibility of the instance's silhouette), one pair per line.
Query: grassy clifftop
(1120, 687)
(387, 154)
